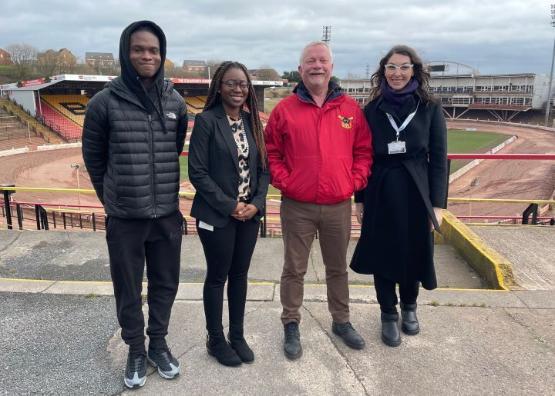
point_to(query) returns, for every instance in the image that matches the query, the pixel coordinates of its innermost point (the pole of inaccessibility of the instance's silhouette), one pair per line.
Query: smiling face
(234, 90)
(144, 54)
(316, 68)
(397, 78)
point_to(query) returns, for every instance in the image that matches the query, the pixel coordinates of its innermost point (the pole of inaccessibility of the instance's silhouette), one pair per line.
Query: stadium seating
(15, 134)
(195, 104)
(71, 106)
(56, 120)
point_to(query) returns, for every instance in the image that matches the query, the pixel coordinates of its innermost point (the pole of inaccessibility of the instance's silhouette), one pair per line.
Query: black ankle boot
(218, 347)
(390, 329)
(239, 344)
(409, 321)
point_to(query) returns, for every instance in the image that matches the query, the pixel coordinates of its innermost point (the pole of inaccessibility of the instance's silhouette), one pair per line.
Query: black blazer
(214, 168)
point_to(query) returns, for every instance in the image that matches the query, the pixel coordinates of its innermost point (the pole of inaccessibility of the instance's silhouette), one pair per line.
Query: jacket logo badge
(346, 122)
(171, 116)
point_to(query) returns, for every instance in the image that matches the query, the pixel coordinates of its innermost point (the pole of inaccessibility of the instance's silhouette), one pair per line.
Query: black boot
(390, 329)
(292, 343)
(239, 344)
(348, 334)
(409, 321)
(218, 347)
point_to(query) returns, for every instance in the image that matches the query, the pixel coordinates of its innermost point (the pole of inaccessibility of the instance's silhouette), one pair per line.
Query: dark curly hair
(214, 98)
(420, 74)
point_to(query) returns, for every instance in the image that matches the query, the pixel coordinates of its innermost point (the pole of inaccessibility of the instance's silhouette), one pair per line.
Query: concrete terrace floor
(60, 336)
(531, 250)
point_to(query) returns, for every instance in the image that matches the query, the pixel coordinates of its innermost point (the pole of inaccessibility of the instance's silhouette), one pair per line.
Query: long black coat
(396, 242)
(214, 168)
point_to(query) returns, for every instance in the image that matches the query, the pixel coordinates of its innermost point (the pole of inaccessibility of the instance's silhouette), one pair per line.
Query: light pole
(548, 105)
(76, 167)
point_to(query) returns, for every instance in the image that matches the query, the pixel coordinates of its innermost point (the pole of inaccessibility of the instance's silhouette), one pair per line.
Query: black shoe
(292, 343)
(409, 321)
(241, 348)
(135, 371)
(390, 329)
(168, 366)
(348, 334)
(219, 348)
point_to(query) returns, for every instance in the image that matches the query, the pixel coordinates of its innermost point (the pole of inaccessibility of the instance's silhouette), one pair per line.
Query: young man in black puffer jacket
(133, 134)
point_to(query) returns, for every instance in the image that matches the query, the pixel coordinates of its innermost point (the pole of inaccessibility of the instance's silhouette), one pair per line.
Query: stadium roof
(107, 55)
(438, 76)
(192, 62)
(41, 83)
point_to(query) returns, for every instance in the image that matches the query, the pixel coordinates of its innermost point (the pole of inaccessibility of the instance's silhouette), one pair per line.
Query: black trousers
(228, 253)
(130, 243)
(387, 297)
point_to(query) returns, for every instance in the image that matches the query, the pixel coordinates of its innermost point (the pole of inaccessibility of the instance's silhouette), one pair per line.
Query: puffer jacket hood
(128, 72)
(130, 76)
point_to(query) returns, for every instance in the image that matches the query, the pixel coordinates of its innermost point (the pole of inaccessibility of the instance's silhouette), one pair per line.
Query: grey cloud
(497, 37)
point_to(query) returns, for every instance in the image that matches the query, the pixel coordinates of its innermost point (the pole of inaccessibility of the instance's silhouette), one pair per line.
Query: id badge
(205, 226)
(397, 147)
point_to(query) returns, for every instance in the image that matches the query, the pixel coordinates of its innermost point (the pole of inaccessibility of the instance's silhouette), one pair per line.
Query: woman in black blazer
(227, 166)
(402, 202)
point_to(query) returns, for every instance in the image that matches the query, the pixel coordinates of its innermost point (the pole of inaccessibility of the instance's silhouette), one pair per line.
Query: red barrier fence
(49, 214)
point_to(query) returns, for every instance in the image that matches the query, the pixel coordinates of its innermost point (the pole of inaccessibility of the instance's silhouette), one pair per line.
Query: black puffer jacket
(131, 155)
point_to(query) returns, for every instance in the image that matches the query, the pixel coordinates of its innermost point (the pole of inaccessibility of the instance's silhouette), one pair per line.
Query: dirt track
(47, 169)
(523, 179)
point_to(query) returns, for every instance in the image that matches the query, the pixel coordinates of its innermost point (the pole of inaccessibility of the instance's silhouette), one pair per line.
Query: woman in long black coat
(407, 189)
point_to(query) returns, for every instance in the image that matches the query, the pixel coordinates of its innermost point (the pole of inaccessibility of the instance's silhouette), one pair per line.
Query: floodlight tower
(326, 34)
(548, 105)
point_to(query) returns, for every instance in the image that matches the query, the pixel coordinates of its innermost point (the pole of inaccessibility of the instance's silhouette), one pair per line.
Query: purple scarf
(398, 98)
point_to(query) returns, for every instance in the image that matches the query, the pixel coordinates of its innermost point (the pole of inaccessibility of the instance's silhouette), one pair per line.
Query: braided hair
(214, 98)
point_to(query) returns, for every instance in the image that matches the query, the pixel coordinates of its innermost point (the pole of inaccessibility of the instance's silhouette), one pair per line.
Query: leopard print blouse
(240, 136)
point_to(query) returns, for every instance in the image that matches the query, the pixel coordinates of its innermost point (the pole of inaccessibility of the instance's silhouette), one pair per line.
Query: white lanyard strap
(399, 129)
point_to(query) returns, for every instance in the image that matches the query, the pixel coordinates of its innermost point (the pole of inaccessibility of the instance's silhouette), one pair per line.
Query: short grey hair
(314, 44)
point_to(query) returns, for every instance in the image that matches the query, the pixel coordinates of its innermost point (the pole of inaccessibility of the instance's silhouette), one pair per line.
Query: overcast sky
(494, 36)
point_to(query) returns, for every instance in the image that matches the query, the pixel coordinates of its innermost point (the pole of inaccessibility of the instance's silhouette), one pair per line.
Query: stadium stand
(15, 134)
(57, 121)
(195, 104)
(71, 106)
(33, 124)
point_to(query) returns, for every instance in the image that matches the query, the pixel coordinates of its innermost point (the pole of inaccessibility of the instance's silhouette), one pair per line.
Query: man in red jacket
(319, 151)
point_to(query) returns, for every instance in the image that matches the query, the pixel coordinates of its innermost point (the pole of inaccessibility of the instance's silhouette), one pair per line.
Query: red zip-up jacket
(318, 154)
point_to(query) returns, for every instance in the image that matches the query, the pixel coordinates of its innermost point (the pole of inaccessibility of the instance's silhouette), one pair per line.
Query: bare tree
(23, 56)
(266, 73)
(66, 60)
(48, 62)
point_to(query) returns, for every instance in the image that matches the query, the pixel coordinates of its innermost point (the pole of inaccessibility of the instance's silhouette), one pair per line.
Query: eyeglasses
(405, 67)
(236, 83)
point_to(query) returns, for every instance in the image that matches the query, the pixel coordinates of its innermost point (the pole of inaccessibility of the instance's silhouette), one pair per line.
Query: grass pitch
(458, 141)
(462, 142)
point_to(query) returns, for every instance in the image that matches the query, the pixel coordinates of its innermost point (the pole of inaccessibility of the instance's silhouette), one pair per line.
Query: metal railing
(44, 216)
(533, 208)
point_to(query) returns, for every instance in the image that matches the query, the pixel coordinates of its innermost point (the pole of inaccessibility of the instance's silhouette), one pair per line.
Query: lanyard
(399, 129)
